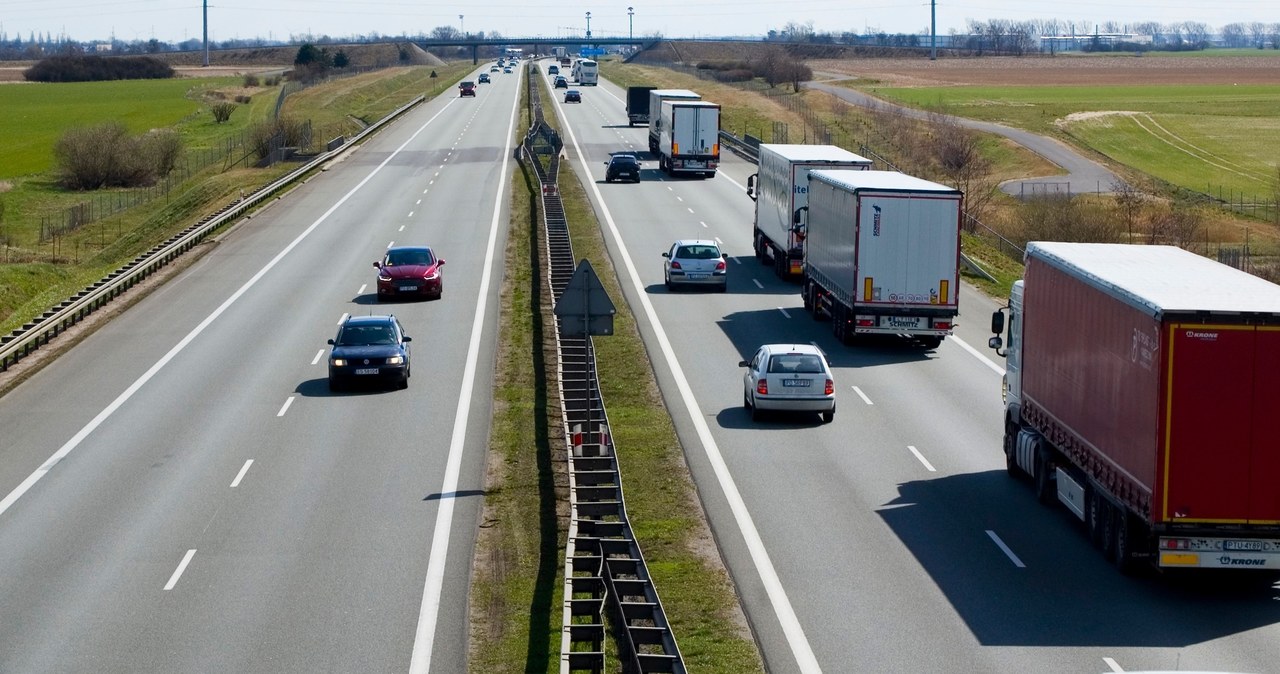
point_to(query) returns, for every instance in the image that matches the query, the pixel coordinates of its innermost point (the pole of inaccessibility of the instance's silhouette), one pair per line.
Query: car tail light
(720, 266)
(675, 265)
(762, 387)
(830, 388)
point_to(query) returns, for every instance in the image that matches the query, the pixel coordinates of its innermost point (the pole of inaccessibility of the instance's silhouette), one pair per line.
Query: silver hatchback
(695, 262)
(788, 378)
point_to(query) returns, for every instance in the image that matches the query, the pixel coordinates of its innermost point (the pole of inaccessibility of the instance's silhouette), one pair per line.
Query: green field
(1202, 137)
(35, 115)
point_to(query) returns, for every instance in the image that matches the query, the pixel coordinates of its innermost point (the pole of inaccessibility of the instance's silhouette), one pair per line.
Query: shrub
(242, 98)
(106, 156)
(268, 136)
(92, 68)
(251, 80)
(222, 111)
(273, 80)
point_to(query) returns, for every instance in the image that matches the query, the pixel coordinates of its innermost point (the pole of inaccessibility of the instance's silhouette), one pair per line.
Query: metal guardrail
(604, 566)
(40, 331)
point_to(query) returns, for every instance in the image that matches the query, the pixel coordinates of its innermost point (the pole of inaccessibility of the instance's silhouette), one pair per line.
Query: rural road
(1083, 174)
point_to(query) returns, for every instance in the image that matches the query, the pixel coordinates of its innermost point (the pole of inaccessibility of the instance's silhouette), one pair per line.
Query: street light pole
(631, 14)
(588, 25)
(462, 25)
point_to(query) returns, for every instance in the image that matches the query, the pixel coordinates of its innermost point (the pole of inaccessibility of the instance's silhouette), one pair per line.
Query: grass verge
(515, 596)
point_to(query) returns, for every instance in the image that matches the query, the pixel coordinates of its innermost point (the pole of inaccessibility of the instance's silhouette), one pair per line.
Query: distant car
(622, 166)
(695, 262)
(494, 69)
(506, 71)
(467, 88)
(788, 378)
(553, 70)
(572, 96)
(561, 82)
(409, 271)
(369, 349)
(484, 78)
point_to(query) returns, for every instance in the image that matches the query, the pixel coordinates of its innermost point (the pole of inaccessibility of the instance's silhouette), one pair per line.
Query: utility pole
(206, 33)
(933, 30)
(631, 15)
(462, 25)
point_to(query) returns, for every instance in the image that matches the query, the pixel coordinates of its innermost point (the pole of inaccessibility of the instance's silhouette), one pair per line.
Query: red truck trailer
(1138, 388)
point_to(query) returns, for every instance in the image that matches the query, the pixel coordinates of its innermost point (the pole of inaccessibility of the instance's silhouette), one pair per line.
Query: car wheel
(334, 386)
(756, 414)
(637, 179)
(828, 415)
(403, 383)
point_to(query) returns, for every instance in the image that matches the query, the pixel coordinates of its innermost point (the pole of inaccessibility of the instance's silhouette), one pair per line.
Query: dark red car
(409, 271)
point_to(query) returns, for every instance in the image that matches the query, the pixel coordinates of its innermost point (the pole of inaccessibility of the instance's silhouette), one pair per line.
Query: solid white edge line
(978, 354)
(110, 409)
(922, 459)
(319, 355)
(240, 476)
(862, 395)
(182, 566)
(796, 639)
(1004, 548)
(428, 613)
(758, 283)
(1115, 666)
(285, 408)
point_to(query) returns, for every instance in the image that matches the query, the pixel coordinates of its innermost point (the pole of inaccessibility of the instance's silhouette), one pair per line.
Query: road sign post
(584, 309)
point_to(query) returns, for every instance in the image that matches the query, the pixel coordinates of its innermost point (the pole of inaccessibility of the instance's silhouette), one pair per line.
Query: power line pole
(933, 30)
(206, 33)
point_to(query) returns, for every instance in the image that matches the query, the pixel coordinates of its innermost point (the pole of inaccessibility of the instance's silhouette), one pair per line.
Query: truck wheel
(805, 297)
(780, 265)
(1044, 486)
(762, 253)
(1124, 545)
(1107, 518)
(1094, 518)
(1010, 457)
(930, 342)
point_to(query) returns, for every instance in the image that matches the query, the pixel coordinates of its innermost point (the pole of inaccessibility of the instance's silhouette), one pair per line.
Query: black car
(369, 349)
(484, 78)
(572, 96)
(622, 166)
(561, 82)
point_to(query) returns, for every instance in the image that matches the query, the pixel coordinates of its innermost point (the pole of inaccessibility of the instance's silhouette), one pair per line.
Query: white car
(695, 262)
(789, 378)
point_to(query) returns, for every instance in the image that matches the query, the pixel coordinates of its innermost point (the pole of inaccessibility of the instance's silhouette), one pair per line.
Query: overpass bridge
(574, 44)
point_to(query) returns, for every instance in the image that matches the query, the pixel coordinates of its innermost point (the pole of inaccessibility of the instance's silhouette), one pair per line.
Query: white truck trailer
(882, 254)
(656, 97)
(689, 138)
(780, 187)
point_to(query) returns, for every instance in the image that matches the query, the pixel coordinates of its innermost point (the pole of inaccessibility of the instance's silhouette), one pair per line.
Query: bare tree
(1257, 33)
(1235, 35)
(958, 152)
(1177, 223)
(798, 32)
(1197, 33)
(1130, 202)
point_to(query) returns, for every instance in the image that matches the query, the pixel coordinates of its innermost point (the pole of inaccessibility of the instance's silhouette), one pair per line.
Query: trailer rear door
(908, 249)
(1221, 456)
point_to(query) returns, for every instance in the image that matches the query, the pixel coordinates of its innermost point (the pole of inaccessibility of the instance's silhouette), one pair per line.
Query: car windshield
(366, 335)
(795, 363)
(697, 253)
(403, 257)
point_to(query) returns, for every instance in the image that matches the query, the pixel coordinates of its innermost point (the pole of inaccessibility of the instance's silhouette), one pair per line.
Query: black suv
(622, 165)
(467, 88)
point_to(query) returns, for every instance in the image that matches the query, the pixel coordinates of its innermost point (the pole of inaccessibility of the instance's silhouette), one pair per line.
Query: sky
(178, 20)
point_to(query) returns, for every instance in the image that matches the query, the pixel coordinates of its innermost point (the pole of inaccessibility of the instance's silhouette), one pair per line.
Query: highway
(890, 540)
(181, 492)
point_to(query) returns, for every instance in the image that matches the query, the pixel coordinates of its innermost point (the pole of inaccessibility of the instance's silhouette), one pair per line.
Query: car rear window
(698, 253)
(795, 363)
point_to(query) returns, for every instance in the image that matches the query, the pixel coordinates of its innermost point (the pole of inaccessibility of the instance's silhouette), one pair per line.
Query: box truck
(1139, 385)
(689, 138)
(882, 254)
(656, 97)
(780, 187)
(638, 105)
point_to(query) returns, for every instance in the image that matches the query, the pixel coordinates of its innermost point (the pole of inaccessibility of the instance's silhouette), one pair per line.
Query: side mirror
(995, 343)
(666, 254)
(724, 256)
(743, 363)
(795, 217)
(440, 262)
(377, 265)
(751, 186)
(407, 338)
(331, 341)
(997, 322)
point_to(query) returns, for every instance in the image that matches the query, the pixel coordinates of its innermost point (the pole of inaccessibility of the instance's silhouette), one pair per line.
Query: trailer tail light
(865, 322)
(675, 148)
(762, 387)
(942, 325)
(1175, 544)
(866, 288)
(944, 290)
(715, 149)
(830, 388)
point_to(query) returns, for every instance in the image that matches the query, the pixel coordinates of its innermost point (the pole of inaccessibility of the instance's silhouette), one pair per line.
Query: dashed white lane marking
(240, 476)
(410, 215)
(1115, 666)
(736, 260)
(182, 566)
(402, 226)
(418, 202)
(758, 283)
(999, 543)
(784, 312)
(362, 287)
(719, 241)
(285, 408)
(679, 199)
(319, 355)
(343, 319)
(702, 223)
(390, 244)
(922, 459)
(977, 354)
(862, 395)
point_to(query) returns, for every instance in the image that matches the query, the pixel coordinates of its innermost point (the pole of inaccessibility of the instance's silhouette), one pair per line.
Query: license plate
(408, 288)
(788, 383)
(1254, 546)
(367, 370)
(696, 277)
(903, 322)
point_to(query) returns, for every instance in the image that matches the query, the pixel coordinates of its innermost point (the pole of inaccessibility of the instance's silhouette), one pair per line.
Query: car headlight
(338, 362)
(383, 277)
(432, 275)
(395, 360)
